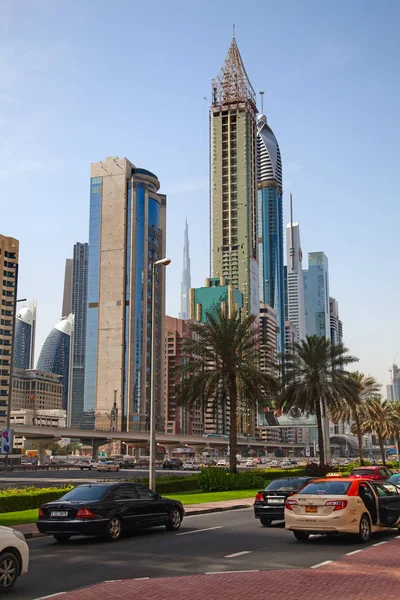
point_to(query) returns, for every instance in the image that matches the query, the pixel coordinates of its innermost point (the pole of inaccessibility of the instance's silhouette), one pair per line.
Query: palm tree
(223, 370)
(314, 379)
(380, 418)
(396, 432)
(352, 409)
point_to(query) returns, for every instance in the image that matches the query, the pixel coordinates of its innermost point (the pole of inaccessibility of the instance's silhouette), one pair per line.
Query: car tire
(9, 568)
(301, 536)
(365, 529)
(117, 469)
(114, 529)
(81, 468)
(175, 520)
(265, 522)
(61, 537)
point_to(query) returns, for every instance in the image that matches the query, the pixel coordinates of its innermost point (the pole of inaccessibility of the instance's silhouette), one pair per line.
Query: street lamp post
(152, 466)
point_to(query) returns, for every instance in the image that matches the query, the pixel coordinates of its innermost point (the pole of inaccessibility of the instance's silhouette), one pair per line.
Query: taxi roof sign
(334, 475)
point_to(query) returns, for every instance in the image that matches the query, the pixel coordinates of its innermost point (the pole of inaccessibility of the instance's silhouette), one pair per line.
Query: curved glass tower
(55, 354)
(270, 224)
(24, 341)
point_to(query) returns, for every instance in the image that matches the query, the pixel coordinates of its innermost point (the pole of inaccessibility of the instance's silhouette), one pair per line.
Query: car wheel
(365, 529)
(114, 529)
(9, 570)
(301, 536)
(81, 468)
(175, 520)
(117, 469)
(61, 537)
(265, 522)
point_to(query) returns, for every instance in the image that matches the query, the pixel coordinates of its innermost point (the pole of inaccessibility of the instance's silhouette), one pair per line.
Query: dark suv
(127, 464)
(269, 504)
(172, 463)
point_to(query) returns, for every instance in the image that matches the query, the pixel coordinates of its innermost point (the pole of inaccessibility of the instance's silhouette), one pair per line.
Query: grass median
(22, 517)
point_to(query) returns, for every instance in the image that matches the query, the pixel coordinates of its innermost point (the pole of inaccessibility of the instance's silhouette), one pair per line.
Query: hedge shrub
(219, 480)
(29, 497)
(169, 485)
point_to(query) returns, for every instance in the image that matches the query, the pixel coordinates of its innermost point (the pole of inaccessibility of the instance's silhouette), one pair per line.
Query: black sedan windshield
(291, 485)
(85, 493)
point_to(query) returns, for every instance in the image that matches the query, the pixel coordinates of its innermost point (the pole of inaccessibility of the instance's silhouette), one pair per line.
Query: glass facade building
(126, 236)
(316, 294)
(56, 354)
(270, 225)
(24, 340)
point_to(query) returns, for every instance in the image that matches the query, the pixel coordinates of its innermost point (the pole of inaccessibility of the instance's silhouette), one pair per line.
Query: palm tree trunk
(233, 424)
(359, 437)
(380, 438)
(318, 413)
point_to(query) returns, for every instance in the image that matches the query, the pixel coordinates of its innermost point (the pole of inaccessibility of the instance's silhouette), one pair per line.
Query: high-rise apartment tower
(233, 180)
(296, 313)
(316, 293)
(186, 283)
(126, 236)
(24, 339)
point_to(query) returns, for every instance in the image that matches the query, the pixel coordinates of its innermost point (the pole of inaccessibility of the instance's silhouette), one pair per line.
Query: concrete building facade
(336, 325)
(36, 390)
(186, 282)
(66, 308)
(24, 339)
(9, 253)
(233, 180)
(126, 236)
(296, 312)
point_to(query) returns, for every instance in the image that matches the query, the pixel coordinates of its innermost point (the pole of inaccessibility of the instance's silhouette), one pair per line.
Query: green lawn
(30, 516)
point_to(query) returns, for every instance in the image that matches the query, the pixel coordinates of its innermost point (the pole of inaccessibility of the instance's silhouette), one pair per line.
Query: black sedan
(108, 510)
(269, 504)
(127, 464)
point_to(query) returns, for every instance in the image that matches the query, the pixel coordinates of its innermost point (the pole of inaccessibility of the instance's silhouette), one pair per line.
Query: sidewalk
(370, 573)
(30, 531)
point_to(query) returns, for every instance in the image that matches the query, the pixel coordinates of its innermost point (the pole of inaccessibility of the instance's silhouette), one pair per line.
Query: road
(229, 541)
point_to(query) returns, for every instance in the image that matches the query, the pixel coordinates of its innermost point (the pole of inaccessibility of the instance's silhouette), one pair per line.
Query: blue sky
(84, 80)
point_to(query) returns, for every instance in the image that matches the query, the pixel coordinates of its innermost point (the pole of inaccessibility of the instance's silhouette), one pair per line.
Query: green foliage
(168, 485)
(29, 497)
(219, 480)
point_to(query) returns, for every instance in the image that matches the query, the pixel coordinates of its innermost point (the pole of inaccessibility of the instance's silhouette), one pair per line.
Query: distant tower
(67, 295)
(233, 180)
(296, 313)
(270, 224)
(24, 343)
(316, 294)
(186, 279)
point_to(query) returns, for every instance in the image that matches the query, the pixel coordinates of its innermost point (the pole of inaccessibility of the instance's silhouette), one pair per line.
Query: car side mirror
(157, 497)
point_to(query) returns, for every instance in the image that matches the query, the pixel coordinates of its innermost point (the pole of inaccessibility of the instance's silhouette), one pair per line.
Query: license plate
(276, 500)
(311, 509)
(59, 513)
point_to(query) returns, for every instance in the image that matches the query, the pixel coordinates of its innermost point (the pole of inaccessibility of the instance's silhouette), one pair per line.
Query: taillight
(259, 498)
(337, 504)
(41, 513)
(84, 513)
(290, 503)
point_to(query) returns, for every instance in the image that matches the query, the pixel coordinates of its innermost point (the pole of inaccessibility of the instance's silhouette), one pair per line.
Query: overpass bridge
(43, 436)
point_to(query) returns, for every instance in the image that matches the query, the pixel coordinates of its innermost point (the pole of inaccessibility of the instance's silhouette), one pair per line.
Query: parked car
(88, 463)
(222, 463)
(269, 504)
(190, 465)
(108, 465)
(274, 464)
(208, 463)
(395, 479)
(375, 473)
(343, 505)
(14, 557)
(172, 463)
(108, 510)
(286, 464)
(127, 464)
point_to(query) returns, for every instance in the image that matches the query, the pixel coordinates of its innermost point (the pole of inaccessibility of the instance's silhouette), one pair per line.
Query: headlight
(19, 534)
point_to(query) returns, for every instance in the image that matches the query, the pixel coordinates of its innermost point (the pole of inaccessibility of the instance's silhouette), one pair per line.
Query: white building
(295, 280)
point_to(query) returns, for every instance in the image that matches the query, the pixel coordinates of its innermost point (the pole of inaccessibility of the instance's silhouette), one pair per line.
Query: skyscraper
(270, 224)
(336, 325)
(233, 180)
(316, 294)
(126, 236)
(56, 355)
(79, 309)
(296, 313)
(9, 251)
(186, 283)
(24, 339)
(67, 295)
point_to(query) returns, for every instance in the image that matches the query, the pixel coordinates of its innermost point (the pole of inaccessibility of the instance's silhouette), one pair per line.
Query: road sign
(6, 441)
(308, 452)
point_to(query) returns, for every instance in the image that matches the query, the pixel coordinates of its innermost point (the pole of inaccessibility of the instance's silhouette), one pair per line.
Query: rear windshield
(285, 484)
(86, 492)
(395, 479)
(362, 472)
(327, 488)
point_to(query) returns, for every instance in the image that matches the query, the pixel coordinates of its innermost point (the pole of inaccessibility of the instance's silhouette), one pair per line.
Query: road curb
(203, 511)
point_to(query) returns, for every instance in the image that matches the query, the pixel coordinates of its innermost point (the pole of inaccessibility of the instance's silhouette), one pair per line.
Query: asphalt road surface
(229, 541)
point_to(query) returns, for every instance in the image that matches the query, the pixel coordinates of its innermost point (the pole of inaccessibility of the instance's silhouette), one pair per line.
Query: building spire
(186, 283)
(232, 83)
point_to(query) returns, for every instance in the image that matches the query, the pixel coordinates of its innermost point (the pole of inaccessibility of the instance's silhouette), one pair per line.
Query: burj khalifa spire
(186, 279)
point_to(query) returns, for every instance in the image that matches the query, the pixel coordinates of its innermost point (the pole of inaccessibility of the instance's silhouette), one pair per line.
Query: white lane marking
(397, 537)
(51, 595)
(141, 578)
(200, 530)
(224, 572)
(238, 554)
(112, 580)
(354, 552)
(187, 515)
(326, 562)
(379, 543)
